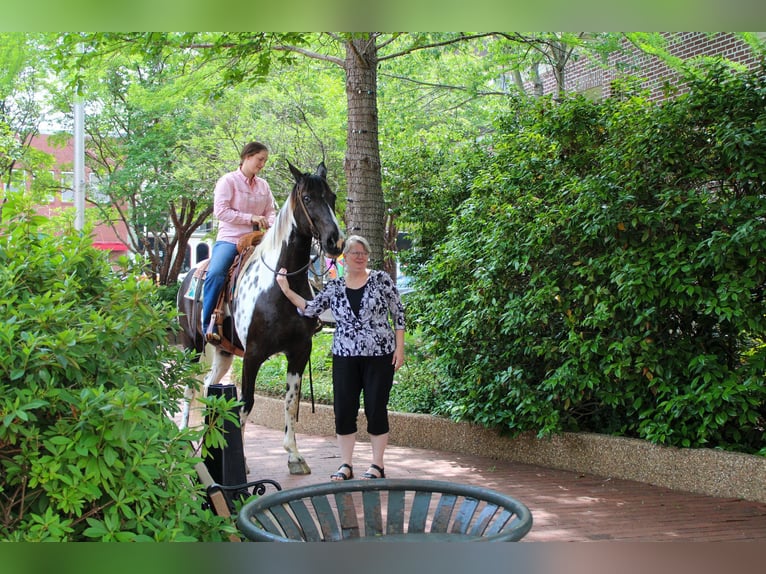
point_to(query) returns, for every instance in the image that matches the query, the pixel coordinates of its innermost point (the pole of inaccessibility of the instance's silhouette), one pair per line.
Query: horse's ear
(322, 171)
(295, 171)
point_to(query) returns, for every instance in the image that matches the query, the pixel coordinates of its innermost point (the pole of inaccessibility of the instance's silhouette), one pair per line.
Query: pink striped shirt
(236, 200)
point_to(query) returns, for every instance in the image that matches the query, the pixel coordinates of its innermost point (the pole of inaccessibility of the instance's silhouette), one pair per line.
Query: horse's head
(314, 209)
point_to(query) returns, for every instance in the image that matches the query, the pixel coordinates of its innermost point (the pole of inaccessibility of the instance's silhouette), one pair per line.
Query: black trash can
(227, 464)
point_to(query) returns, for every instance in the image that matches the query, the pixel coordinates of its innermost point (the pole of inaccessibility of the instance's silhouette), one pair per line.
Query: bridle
(297, 197)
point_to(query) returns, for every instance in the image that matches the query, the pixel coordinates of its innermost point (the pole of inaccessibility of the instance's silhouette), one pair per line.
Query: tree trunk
(365, 213)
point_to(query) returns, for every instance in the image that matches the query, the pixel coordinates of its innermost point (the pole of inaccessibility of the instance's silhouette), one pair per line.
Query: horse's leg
(191, 340)
(296, 363)
(295, 461)
(221, 365)
(186, 408)
(251, 363)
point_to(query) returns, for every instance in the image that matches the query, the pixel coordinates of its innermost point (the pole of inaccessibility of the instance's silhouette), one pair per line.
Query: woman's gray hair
(356, 239)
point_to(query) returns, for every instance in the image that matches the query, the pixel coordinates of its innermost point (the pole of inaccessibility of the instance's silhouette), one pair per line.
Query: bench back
(385, 510)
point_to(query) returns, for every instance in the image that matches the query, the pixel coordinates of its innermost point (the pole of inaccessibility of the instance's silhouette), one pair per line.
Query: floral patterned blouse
(369, 333)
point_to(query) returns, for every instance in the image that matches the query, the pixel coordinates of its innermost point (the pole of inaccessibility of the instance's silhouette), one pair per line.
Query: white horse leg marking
(190, 394)
(221, 364)
(295, 461)
(186, 408)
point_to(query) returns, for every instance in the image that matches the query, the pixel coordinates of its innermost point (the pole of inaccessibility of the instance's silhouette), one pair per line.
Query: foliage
(88, 389)
(21, 81)
(607, 271)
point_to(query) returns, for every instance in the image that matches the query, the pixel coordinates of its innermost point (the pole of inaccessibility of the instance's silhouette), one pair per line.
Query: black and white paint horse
(265, 321)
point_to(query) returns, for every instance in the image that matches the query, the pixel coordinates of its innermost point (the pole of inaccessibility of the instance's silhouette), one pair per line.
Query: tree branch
(310, 54)
(456, 40)
(442, 86)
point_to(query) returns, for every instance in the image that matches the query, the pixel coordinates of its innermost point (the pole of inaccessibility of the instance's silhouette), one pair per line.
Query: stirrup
(212, 335)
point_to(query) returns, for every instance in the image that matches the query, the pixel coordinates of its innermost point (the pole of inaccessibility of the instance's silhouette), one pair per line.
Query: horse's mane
(280, 231)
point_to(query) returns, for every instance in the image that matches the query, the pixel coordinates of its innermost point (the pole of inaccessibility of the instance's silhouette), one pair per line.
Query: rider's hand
(260, 221)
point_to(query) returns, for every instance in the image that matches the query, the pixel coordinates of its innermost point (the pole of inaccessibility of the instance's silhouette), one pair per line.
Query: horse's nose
(335, 246)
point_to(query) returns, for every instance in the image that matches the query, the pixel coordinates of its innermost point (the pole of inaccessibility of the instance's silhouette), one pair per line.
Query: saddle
(224, 322)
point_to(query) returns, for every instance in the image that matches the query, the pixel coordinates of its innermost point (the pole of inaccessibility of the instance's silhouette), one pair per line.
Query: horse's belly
(253, 286)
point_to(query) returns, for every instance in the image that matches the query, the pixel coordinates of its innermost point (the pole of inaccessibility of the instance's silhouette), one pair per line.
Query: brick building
(595, 79)
(104, 236)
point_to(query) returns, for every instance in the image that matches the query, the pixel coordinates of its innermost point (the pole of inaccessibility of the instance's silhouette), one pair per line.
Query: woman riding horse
(265, 321)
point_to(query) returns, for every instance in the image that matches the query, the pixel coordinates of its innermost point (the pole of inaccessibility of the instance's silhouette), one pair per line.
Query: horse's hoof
(298, 467)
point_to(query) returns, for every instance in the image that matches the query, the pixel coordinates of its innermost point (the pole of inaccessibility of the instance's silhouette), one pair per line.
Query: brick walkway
(565, 506)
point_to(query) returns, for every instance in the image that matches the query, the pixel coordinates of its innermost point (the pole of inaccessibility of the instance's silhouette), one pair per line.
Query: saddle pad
(194, 293)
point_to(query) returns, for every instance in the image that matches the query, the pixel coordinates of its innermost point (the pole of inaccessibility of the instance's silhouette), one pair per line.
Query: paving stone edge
(703, 471)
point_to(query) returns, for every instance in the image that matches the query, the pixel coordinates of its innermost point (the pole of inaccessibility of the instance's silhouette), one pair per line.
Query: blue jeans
(221, 259)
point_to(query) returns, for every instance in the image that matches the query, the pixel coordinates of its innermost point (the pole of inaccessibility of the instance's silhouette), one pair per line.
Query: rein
(291, 273)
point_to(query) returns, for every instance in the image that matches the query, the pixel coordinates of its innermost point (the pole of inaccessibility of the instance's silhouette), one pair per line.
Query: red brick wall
(104, 236)
(583, 75)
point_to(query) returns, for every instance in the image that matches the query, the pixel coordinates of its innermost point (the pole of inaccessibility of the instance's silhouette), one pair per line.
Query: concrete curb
(703, 471)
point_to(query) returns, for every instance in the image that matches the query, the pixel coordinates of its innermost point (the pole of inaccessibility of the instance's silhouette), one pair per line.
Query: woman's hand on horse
(282, 280)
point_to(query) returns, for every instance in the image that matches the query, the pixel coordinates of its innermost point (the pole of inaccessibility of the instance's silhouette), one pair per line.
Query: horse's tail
(189, 306)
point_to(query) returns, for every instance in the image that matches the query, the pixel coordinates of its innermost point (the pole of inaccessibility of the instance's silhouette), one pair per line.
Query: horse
(265, 322)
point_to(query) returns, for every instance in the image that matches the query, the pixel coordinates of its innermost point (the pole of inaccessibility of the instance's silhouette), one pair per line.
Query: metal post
(79, 163)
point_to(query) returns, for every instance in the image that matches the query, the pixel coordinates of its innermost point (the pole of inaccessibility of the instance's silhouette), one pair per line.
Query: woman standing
(366, 350)
(242, 200)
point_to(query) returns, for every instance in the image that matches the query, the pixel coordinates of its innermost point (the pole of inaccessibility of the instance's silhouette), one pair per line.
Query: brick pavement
(566, 506)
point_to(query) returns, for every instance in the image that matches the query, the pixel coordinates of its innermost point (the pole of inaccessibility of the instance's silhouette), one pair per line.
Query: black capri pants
(351, 376)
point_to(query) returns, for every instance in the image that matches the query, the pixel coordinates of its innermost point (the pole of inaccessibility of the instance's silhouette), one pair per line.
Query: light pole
(79, 163)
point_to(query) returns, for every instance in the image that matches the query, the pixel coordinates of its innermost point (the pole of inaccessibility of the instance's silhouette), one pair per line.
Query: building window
(67, 187)
(18, 180)
(96, 189)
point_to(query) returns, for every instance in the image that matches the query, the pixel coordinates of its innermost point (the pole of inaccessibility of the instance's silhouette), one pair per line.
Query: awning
(110, 245)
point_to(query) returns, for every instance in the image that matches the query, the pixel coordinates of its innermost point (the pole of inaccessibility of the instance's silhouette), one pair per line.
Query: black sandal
(341, 475)
(369, 475)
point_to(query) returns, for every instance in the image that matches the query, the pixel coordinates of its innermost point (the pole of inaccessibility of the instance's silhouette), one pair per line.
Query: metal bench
(386, 510)
(220, 498)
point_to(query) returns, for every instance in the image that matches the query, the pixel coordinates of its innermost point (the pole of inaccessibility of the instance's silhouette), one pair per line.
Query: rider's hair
(251, 148)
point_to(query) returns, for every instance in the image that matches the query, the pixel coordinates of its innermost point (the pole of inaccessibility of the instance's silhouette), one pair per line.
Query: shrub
(615, 254)
(88, 386)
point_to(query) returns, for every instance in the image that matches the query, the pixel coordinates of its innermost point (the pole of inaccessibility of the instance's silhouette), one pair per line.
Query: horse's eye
(306, 199)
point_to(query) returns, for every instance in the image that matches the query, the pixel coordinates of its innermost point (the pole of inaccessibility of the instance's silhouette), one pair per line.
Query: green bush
(607, 272)
(88, 386)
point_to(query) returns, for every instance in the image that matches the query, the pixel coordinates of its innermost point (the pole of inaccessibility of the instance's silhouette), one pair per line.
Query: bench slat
(373, 520)
(419, 513)
(286, 522)
(326, 517)
(395, 513)
(265, 519)
(464, 516)
(349, 526)
(443, 513)
(305, 521)
(484, 519)
(499, 523)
